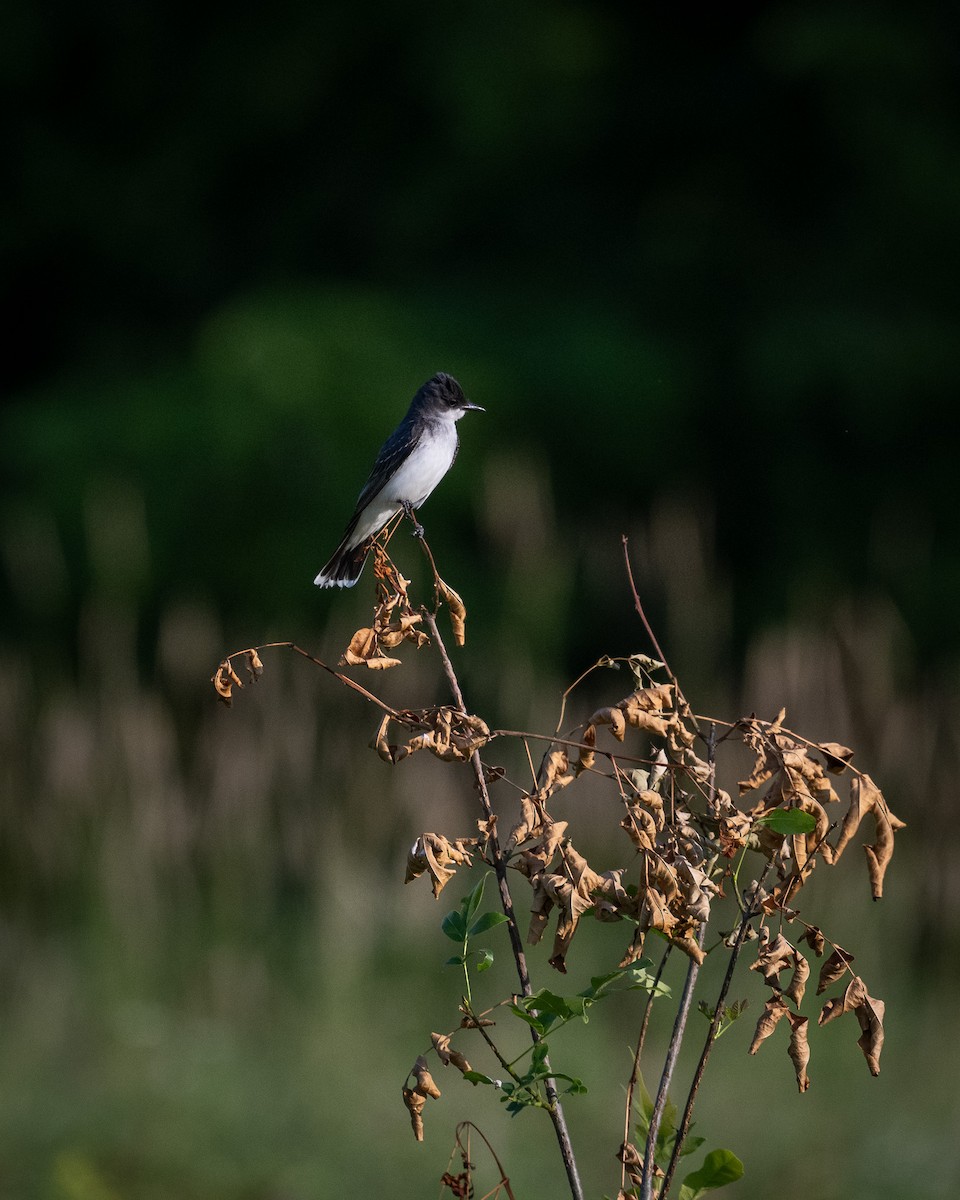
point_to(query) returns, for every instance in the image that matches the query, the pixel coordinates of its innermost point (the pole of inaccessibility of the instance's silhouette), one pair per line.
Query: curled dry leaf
(434, 853)
(696, 888)
(470, 1021)
(415, 1101)
(540, 855)
(866, 797)
(799, 1049)
(554, 772)
(798, 981)
(774, 958)
(767, 760)
(254, 665)
(425, 1082)
(632, 1160)
(223, 680)
(642, 709)
(834, 968)
(814, 938)
(446, 1053)
(854, 994)
(458, 612)
(530, 824)
(870, 1015)
(450, 734)
(364, 651)
(869, 1012)
(394, 620)
(773, 1012)
(640, 826)
(837, 757)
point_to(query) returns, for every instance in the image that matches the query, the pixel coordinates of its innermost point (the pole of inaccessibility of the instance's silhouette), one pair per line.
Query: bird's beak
(468, 404)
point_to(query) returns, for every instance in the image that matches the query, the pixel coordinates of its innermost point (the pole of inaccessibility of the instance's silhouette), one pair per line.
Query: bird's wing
(395, 450)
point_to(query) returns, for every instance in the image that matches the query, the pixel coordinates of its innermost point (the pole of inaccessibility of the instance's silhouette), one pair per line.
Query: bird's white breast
(414, 479)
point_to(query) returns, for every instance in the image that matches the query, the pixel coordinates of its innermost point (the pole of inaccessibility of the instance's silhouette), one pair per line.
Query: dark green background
(701, 271)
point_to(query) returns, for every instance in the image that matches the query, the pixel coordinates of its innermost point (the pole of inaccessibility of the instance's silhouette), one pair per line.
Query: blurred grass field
(213, 979)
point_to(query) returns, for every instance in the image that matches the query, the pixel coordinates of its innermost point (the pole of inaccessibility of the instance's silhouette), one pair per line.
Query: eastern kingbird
(411, 463)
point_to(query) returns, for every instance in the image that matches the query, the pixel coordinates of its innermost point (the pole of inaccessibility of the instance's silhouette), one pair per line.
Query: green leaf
(634, 975)
(476, 1077)
(545, 1001)
(691, 1145)
(471, 902)
(720, 1167)
(540, 1024)
(487, 920)
(456, 961)
(454, 926)
(788, 821)
(486, 960)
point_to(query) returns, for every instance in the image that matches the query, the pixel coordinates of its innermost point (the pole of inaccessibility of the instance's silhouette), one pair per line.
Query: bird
(411, 462)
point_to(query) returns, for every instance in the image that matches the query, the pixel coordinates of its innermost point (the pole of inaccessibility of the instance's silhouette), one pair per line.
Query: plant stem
(506, 901)
(684, 1126)
(641, 1038)
(679, 1025)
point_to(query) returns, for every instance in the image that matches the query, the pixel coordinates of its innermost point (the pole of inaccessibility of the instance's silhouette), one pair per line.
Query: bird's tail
(343, 569)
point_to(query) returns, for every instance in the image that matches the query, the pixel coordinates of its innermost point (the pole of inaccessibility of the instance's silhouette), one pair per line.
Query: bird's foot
(411, 516)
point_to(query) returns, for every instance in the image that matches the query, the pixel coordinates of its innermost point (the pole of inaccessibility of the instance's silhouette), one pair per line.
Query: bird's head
(444, 395)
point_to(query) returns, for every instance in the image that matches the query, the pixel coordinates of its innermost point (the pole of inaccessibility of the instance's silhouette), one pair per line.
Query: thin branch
(465, 1153)
(680, 1024)
(635, 1072)
(344, 679)
(639, 607)
(506, 900)
(681, 699)
(559, 741)
(684, 1126)
(476, 1023)
(673, 1050)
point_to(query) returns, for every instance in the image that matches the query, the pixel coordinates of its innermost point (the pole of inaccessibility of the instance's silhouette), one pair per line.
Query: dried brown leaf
(767, 761)
(696, 888)
(798, 981)
(774, 958)
(425, 1082)
(834, 968)
(434, 853)
(224, 679)
(612, 717)
(415, 1101)
(640, 826)
(837, 757)
(587, 754)
(854, 995)
(529, 826)
(458, 612)
(799, 1049)
(554, 772)
(814, 938)
(773, 1012)
(870, 1014)
(632, 1161)
(866, 797)
(363, 646)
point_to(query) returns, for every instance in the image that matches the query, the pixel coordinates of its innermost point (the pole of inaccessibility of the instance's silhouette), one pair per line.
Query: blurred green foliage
(716, 258)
